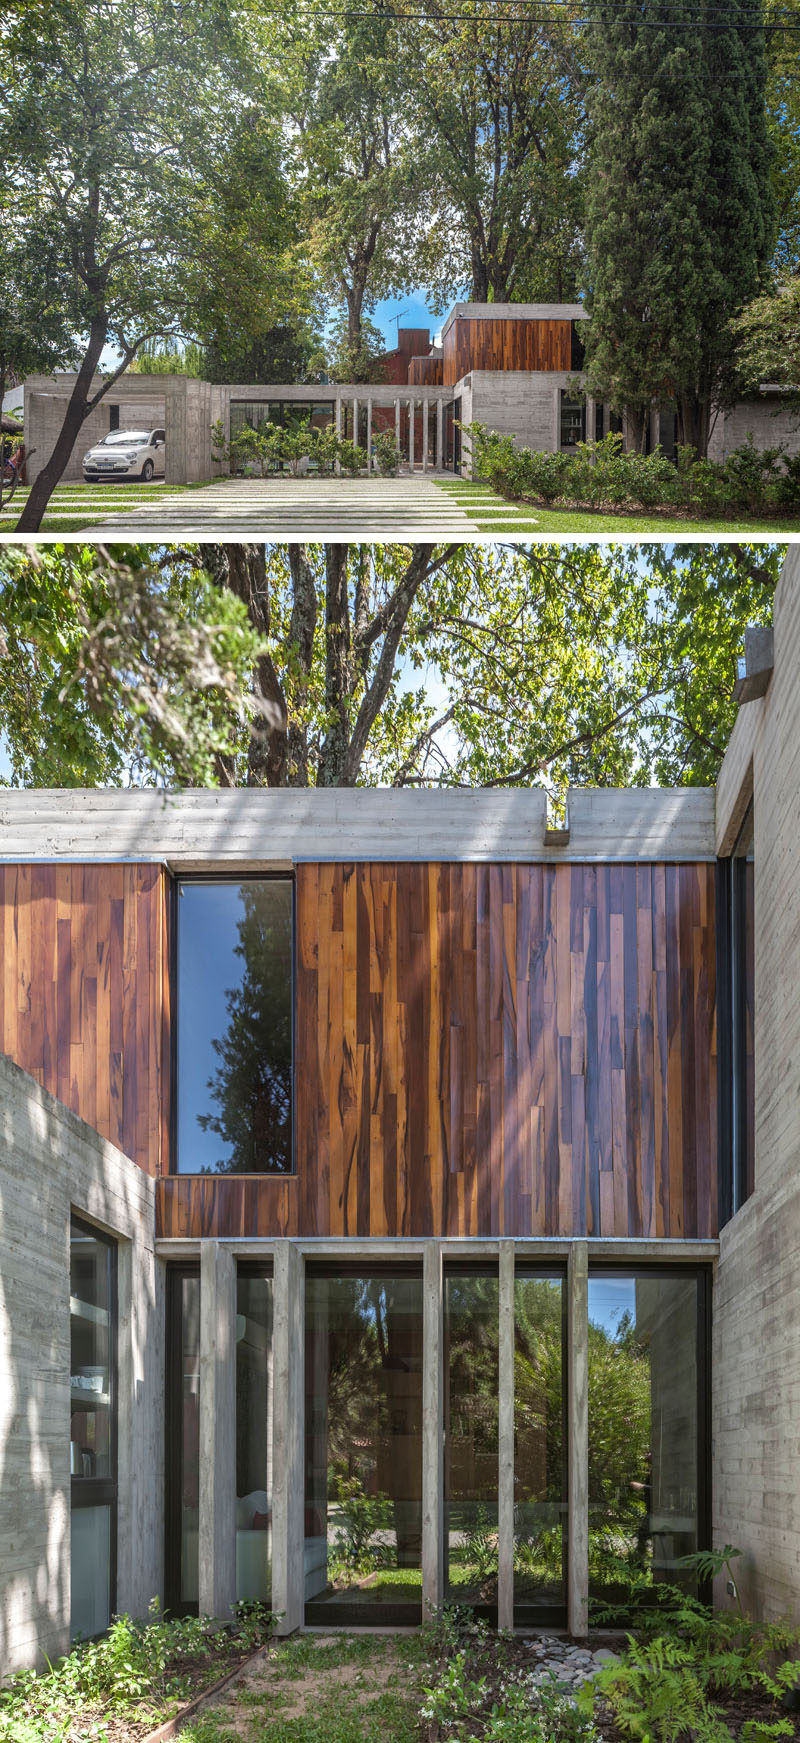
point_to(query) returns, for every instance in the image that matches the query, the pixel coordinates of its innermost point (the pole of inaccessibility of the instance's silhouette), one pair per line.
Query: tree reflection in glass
(235, 1027)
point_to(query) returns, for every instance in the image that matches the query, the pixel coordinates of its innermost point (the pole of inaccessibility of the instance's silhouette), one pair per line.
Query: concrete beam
(217, 1497)
(578, 1418)
(505, 1474)
(432, 1431)
(288, 1535)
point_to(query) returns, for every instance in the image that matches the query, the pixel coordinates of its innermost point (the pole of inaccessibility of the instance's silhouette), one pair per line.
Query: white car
(127, 454)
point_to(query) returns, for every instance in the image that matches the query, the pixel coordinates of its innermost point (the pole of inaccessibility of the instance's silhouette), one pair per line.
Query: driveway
(296, 508)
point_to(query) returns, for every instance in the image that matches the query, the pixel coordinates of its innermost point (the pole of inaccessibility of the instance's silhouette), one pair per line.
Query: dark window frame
(570, 401)
(225, 877)
(530, 1616)
(173, 1436)
(87, 1492)
(735, 1164)
(703, 1274)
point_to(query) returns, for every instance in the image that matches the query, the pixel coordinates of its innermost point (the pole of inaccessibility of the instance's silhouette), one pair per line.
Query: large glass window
(647, 1453)
(93, 1430)
(183, 1438)
(540, 1447)
(234, 1026)
(573, 420)
(471, 1435)
(254, 1409)
(363, 1485)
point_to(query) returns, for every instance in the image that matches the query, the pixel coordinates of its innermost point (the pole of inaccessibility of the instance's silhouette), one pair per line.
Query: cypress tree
(679, 209)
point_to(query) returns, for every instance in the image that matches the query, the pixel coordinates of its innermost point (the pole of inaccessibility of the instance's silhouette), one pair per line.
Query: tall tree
(679, 211)
(783, 118)
(112, 120)
(359, 180)
(497, 95)
(388, 665)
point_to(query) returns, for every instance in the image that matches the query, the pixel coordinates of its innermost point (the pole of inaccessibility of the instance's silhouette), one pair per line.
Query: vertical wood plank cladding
(83, 994)
(425, 372)
(505, 345)
(493, 1050)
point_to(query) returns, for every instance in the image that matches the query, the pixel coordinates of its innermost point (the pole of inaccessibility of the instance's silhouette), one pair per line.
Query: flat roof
(281, 827)
(515, 312)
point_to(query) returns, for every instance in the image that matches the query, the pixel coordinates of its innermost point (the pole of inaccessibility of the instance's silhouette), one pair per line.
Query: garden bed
(123, 1688)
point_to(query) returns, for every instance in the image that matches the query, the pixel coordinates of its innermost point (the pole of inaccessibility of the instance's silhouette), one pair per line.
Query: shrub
(386, 453)
(352, 458)
(325, 447)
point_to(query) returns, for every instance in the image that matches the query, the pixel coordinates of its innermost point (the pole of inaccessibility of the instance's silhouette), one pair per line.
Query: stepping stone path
(570, 1665)
(296, 508)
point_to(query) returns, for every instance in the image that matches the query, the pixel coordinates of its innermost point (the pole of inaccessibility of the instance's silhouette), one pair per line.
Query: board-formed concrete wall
(44, 416)
(52, 1163)
(756, 1337)
(767, 421)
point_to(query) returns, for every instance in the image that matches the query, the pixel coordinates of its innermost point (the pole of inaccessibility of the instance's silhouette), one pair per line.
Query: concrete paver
(294, 508)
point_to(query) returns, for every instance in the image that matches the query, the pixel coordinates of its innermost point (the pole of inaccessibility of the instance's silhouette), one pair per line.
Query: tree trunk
(694, 422)
(42, 488)
(333, 755)
(242, 569)
(301, 635)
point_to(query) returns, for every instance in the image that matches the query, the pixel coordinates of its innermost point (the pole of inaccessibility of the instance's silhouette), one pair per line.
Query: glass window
(540, 1447)
(363, 1486)
(471, 1436)
(647, 1458)
(93, 1435)
(183, 1438)
(254, 1407)
(234, 1027)
(573, 420)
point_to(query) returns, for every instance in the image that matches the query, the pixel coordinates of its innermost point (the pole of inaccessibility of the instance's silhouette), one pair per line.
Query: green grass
(75, 506)
(491, 512)
(366, 1690)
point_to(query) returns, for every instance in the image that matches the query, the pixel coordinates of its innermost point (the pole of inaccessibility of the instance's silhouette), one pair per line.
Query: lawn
(75, 506)
(494, 514)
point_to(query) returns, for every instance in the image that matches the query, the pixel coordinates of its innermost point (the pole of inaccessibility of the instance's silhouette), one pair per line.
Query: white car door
(159, 452)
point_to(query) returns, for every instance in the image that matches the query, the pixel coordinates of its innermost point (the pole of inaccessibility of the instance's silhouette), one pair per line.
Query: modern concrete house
(515, 367)
(399, 1200)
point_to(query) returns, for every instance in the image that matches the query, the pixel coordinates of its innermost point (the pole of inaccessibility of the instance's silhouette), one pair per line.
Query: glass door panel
(471, 1436)
(540, 1447)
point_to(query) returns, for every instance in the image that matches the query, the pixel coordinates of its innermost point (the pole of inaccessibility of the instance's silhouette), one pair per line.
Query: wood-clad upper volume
(505, 344)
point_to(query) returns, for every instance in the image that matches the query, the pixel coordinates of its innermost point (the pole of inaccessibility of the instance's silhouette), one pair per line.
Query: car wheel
(147, 471)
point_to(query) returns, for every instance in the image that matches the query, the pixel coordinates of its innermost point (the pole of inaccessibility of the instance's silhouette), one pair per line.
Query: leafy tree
(34, 336)
(113, 118)
(113, 669)
(397, 665)
(252, 1083)
(280, 353)
(359, 360)
(767, 335)
(169, 357)
(679, 211)
(783, 116)
(498, 103)
(360, 184)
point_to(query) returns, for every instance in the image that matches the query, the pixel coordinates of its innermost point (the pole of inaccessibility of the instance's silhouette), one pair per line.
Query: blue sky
(413, 312)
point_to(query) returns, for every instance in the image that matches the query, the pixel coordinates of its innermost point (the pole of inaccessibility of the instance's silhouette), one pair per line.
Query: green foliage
(361, 1517)
(480, 1691)
(356, 358)
(136, 1668)
(116, 669)
(679, 171)
(169, 357)
(387, 453)
(353, 459)
(767, 335)
(605, 476)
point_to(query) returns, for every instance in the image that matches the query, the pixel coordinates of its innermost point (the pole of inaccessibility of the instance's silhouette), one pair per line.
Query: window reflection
(644, 1502)
(471, 1436)
(234, 1027)
(363, 1530)
(540, 1446)
(92, 1310)
(254, 1408)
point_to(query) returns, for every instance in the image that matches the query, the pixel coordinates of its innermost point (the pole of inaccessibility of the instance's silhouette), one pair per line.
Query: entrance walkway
(297, 508)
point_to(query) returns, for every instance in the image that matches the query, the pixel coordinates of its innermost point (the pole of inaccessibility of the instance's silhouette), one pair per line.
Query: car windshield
(125, 438)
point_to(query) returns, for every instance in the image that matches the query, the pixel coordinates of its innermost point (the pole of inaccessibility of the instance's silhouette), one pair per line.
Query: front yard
(495, 514)
(75, 506)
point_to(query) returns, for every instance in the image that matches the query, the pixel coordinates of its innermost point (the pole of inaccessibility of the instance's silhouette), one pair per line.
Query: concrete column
(397, 423)
(505, 1474)
(337, 465)
(355, 423)
(424, 435)
(411, 434)
(591, 415)
(432, 1432)
(287, 1499)
(369, 435)
(217, 1497)
(578, 1418)
(440, 435)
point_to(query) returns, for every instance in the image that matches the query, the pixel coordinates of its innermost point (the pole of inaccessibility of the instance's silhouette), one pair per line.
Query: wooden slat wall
(493, 1049)
(82, 994)
(487, 344)
(425, 372)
